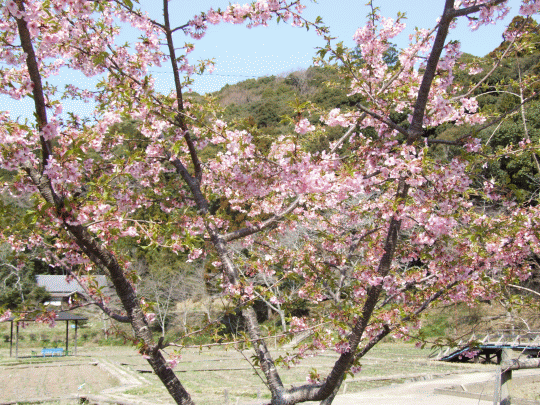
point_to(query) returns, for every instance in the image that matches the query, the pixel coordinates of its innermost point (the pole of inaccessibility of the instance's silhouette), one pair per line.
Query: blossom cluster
(333, 211)
(257, 13)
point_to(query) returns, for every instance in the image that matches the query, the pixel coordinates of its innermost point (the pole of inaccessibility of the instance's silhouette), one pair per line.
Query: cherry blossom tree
(384, 227)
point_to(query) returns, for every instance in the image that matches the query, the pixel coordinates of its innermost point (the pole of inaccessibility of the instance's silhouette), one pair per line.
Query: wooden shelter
(61, 290)
(60, 316)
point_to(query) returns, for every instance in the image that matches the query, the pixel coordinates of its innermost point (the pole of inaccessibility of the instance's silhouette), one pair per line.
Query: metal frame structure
(489, 349)
(61, 316)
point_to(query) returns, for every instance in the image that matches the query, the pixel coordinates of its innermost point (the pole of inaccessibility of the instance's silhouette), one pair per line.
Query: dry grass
(209, 375)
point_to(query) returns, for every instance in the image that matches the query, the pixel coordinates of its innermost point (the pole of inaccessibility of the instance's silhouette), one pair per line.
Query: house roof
(60, 316)
(59, 286)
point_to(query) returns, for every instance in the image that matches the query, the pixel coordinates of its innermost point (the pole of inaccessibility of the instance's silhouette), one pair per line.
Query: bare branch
(524, 289)
(472, 9)
(415, 130)
(35, 76)
(241, 233)
(178, 87)
(99, 303)
(379, 117)
(488, 74)
(346, 135)
(500, 118)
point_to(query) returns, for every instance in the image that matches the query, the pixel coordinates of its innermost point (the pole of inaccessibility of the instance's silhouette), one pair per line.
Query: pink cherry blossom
(303, 126)
(5, 316)
(376, 216)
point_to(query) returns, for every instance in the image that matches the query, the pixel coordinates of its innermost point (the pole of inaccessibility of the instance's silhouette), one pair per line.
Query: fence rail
(487, 348)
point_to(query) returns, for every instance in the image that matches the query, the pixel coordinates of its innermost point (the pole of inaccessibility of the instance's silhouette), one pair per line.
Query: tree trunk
(86, 242)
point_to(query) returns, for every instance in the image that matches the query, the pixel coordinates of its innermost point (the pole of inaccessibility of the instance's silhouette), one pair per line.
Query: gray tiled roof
(60, 316)
(59, 284)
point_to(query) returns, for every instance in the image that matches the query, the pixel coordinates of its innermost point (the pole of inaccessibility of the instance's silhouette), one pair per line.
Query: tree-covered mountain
(262, 105)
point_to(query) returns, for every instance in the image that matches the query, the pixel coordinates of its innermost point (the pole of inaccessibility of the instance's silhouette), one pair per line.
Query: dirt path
(424, 392)
(111, 373)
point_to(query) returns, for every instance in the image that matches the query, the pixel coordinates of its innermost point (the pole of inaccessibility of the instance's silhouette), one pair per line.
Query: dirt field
(53, 381)
(211, 376)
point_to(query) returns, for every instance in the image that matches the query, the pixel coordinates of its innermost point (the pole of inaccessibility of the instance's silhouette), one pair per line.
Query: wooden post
(17, 341)
(104, 319)
(11, 340)
(505, 378)
(497, 393)
(67, 337)
(75, 343)
(505, 375)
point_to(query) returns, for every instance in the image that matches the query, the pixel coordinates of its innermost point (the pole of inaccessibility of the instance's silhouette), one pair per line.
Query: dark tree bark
(106, 260)
(87, 243)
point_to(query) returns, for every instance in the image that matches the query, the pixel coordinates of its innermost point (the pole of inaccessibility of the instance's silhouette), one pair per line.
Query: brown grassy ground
(51, 381)
(209, 375)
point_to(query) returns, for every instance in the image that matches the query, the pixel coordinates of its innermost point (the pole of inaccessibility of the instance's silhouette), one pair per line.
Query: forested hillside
(268, 104)
(267, 107)
(345, 200)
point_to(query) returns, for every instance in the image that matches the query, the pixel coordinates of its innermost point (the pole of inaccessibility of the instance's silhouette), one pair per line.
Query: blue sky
(241, 53)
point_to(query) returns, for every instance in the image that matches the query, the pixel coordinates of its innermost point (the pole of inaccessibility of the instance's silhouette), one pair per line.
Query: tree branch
(99, 303)
(498, 119)
(472, 9)
(415, 130)
(380, 118)
(524, 289)
(87, 243)
(241, 233)
(35, 77)
(487, 75)
(334, 379)
(178, 87)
